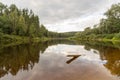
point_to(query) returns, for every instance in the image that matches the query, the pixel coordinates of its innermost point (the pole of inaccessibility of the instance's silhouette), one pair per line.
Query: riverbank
(11, 40)
(7, 40)
(99, 37)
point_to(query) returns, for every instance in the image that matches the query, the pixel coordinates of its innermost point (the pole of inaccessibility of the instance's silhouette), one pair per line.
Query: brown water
(60, 60)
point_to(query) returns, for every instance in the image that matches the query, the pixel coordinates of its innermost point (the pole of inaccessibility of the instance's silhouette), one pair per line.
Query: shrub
(116, 36)
(109, 36)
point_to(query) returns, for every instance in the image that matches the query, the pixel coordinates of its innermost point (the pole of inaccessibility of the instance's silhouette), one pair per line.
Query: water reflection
(107, 51)
(113, 60)
(22, 57)
(72, 59)
(53, 59)
(15, 58)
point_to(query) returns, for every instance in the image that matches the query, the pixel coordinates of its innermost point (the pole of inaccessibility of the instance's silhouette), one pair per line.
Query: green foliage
(116, 37)
(16, 21)
(107, 28)
(23, 22)
(109, 36)
(43, 31)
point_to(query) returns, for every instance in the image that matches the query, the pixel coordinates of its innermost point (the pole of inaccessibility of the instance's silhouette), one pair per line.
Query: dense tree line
(108, 27)
(61, 35)
(22, 22)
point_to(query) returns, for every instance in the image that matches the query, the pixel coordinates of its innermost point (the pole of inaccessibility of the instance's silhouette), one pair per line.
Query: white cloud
(76, 24)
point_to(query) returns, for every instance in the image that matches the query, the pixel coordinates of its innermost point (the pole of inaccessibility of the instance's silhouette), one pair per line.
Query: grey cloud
(55, 11)
(65, 9)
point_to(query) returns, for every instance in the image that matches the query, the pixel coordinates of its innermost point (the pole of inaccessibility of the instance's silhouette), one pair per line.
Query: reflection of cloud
(73, 50)
(52, 12)
(65, 50)
(54, 63)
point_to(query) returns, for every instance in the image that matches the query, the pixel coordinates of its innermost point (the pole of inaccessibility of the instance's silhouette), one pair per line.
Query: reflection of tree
(109, 52)
(113, 58)
(87, 48)
(23, 57)
(14, 58)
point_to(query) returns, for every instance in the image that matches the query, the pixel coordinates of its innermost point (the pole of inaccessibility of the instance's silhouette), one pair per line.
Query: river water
(61, 60)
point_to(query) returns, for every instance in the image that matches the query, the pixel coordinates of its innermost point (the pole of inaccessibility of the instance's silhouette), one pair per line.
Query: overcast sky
(66, 15)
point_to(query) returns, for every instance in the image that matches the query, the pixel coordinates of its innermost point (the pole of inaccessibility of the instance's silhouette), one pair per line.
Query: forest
(107, 30)
(23, 25)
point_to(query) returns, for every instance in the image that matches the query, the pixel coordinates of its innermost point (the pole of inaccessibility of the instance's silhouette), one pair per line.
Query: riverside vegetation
(23, 26)
(107, 30)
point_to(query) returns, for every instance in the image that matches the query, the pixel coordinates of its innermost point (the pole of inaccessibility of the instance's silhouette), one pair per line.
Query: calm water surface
(60, 60)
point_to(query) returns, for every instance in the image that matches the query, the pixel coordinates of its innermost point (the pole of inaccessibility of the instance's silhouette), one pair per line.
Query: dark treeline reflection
(108, 51)
(23, 57)
(14, 58)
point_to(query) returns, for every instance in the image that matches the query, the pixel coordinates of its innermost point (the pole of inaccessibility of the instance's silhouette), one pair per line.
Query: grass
(100, 37)
(11, 40)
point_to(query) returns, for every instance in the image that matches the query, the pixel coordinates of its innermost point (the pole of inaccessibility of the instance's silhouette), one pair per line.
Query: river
(61, 60)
